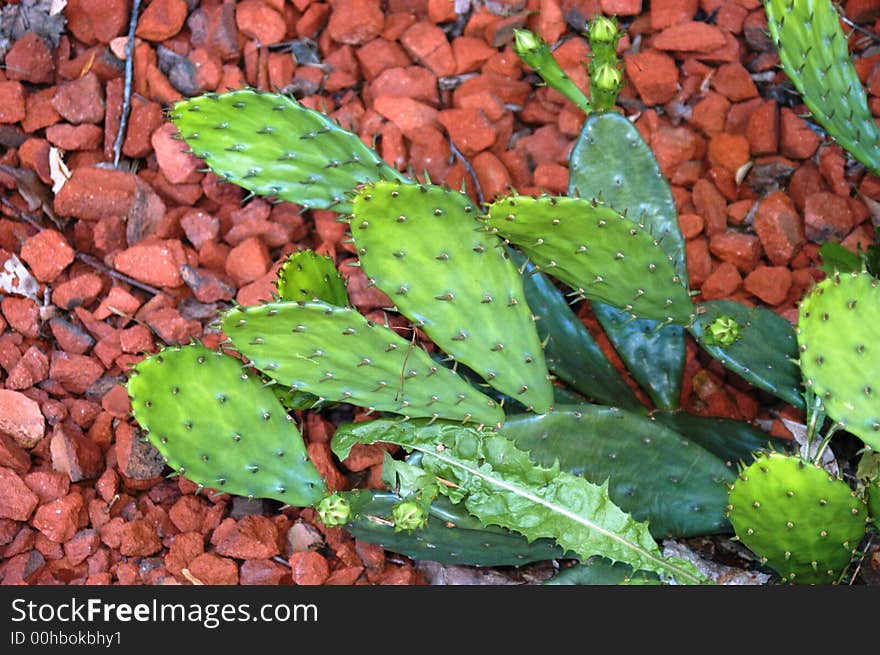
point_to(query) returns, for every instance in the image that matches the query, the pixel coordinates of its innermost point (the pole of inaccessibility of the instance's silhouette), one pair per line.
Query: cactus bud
(723, 331)
(333, 510)
(602, 30)
(525, 42)
(607, 78)
(409, 515)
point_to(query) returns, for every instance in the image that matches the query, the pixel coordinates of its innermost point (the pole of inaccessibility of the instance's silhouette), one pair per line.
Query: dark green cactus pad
(423, 246)
(271, 145)
(306, 275)
(874, 502)
(837, 338)
(219, 426)
(598, 571)
(336, 354)
(653, 473)
(764, 354)
(598, 252)
(730, 440)
(814, 52)
(451, 536)
(610, 161)
(571, 352)
(801, 521)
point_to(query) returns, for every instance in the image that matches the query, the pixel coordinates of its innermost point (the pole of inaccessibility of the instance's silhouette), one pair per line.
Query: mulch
(122, 260)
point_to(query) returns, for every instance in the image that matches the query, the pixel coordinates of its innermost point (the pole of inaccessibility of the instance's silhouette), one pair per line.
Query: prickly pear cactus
(219, 426)
(839, 353)
(874, 502)
(306, 275)
(801, 521)
(271, 145)
(337, 354)
(814, 53)
(598, 252)
(423, 246)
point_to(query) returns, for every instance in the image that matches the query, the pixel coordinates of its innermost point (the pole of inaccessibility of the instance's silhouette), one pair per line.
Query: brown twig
(129, 71)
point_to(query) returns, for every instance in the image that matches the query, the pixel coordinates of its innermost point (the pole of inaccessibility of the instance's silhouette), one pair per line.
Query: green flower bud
(723, 331)
(409, 515)
(607, 78)
(602, 30)
(525, 42)
(333, 511)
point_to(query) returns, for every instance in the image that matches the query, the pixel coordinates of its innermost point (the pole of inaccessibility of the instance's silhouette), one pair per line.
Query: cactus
(801, 521)
(334, 510)
(873, 499)
(536, 54)
(306, 276)
(765, 352)
(598, 571)
(271, 145)
(837, 334)
(217, 425)
(337, 354)
(814, 52)
(596, 251)
(421, 245)
(606, 78)
(653, 473)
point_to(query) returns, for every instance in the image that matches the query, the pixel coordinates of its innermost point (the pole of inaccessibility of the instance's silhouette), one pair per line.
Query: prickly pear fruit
(536, 54)
(219, 426)
(424, 247)
(334, 510)
(306, 275)
(814, 52)
(838, 344)
(801, 521)
(409, 515)
(723, 332)
(598, 252)
(271, 145)
(337, 354)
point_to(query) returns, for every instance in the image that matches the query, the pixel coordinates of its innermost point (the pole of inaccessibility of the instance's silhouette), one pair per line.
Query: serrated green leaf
(500, 485)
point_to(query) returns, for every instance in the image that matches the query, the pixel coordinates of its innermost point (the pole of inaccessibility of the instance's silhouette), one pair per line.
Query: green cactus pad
(814, 52)
(337, 354)
(874, 502)
(653, 473)
(837, 338)
(803, 522)
(596, 251)
(219, 426)
(305, 276)
(271, 145)
(451, 536)
(598, 571)
(765, 352)
(423, 246)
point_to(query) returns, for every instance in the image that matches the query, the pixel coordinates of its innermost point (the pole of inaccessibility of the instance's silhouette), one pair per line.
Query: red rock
(17, 502)
(832, 162)
(136, 459)
(155, 262)
(70, 337)
(762, 130)
(741, 250)
(162, 19)
(621, 7)
(769, 283)
(691, 225)
(212, 569)
(734, 82)
(427, 44)
(139, 539)
(252, 537)
(171, 327)
(31, 369)
(12, 105)
(257, 20)
(21, 418)
(711, 206)
(188, 514)
(76, 373)
(411, 82)
(83, 545)
(665, 13)
(47, 253)
(722, 283)
(469, 129)
(796, 139)
(827, 217)
(13, 456)
(22, 314)
(30, 60)
(263, 572)
(779, 228)
(75, 137)
(93, 21)
(96, 193)
(178, 166)
(117, 301)
(58, 520)
(709, 113)
(308, 568)
(39, 111)
(699, 261)
(409, 115)
(200, 227)
(654, 76)
(378, 55)
(692, 36)
(80, 100)
(470, 54)
(355, 22)
(551, 178)
(75, 455)
(728, 151)
(80, 290)
(248, 261)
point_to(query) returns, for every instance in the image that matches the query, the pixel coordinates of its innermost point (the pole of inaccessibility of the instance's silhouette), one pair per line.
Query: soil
(122, 260)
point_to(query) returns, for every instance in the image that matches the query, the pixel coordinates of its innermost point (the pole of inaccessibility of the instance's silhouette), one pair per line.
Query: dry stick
(126, 96)
(470, 169)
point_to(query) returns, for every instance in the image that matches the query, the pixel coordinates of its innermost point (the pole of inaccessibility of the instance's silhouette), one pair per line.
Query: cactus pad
(598, 252)
(271, 145)
(337, 354)
(801, 521)
(305, 276)
(839, 351)
(424, 247)
(219, 426)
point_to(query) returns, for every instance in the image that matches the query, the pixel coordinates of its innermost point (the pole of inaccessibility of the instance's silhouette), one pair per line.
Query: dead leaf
(16, 279)
(58, 170)
(718, 573)
(37, 195)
